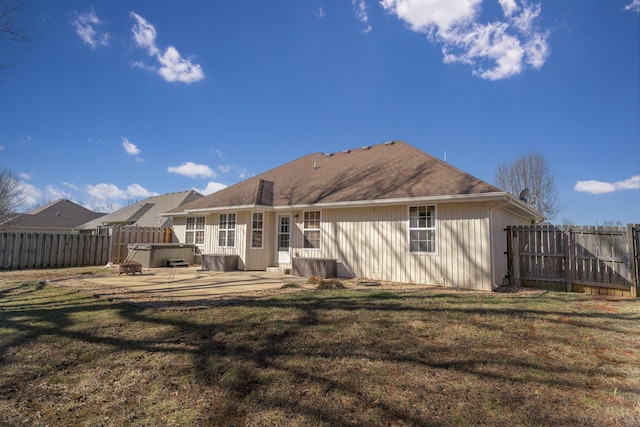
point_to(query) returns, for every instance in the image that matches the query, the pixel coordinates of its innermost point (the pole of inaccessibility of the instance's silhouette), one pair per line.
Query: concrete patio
(192, 283)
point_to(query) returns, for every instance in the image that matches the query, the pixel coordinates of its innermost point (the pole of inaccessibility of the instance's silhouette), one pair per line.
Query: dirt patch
(151, 300)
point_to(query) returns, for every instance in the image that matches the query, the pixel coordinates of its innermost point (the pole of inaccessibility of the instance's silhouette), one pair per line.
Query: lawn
(318, 357)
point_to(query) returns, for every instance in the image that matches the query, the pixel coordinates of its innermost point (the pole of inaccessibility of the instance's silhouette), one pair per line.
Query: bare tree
(9, 29)
(531, 172)
(11, 195)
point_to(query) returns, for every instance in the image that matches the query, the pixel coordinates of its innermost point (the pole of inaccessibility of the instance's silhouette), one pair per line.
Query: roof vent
(328, 155)
(389, 143)
(346, 151)
(366, 147)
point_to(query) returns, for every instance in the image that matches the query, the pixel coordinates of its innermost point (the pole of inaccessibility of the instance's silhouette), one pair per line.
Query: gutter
(505, 198)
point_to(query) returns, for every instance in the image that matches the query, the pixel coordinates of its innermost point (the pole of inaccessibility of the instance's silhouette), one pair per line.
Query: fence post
(515, 247)
(633, 280)
(566, 242)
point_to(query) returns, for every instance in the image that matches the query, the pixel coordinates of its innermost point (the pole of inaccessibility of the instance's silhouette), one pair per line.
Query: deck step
(176, 262)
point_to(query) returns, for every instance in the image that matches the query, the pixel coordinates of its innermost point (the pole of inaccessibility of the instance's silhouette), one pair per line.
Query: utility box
(219, 262)
(324, 268)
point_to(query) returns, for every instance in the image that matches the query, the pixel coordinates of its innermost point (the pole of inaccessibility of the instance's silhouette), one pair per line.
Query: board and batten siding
(261, 258)
(373, 243)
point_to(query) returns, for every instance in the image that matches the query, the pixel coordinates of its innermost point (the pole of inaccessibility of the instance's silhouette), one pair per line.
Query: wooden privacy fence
(51, 250)
(22, 250)
(602, 260)
(124, 235)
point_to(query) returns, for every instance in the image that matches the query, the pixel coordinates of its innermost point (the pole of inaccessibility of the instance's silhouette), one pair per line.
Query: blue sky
(113, 102)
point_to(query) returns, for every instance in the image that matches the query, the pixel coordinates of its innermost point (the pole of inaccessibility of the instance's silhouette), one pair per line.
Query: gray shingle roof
(393, 170)
(145, 213)
(60, 214)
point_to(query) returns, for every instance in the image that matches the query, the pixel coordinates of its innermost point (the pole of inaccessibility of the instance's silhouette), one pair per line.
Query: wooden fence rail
(600, 260)
(23, 250)
(122, 236)
(19, 250)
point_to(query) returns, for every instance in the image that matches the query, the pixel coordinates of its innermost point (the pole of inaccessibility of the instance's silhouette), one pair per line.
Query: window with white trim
(311, 230)
(194, 231)
(257, 228)
(422, 229)
(227, 230)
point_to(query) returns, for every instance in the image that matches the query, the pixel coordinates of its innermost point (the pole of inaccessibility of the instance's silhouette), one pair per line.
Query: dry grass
(371, 357)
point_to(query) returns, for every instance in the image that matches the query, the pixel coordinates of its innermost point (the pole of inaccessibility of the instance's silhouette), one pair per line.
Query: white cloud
(70, 185)
(634, 6)
(54, 193)
(192, 170)
(224, 168)
(496, 50)
(361, 13)
(24, 175)
(136, 190)
(508, 7)
(173, 67)
(211, 187)
(428, 15)
(320, 13)
(1, 147)
(31, 194)
(600, 187)
(104, 191)
(85, 25)
(130, 147)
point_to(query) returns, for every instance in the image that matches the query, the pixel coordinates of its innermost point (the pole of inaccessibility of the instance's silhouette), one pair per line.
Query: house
(145, 213)
(384, 212)
(60, 216)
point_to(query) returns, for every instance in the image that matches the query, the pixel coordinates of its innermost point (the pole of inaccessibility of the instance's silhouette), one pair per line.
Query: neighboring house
(384, 212)
(145, 213)
(60, 216)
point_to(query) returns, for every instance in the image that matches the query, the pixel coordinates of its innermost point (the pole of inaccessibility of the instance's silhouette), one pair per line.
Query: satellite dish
(524, 195)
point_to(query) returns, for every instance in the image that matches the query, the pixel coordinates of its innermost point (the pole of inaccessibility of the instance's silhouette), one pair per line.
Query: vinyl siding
(374, 243)
(261, 258)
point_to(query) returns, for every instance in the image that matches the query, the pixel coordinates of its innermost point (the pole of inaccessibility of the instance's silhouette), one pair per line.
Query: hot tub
(156, 254)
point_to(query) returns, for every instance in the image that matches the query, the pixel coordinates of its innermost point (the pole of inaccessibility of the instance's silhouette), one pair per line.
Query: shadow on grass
(343, 357)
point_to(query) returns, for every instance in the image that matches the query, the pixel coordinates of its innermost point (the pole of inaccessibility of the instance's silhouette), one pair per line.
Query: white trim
(195, 230)
(514, 204)
(319, 230)
(257, 229)
(434, 228)
(277, 245)
(227, 229)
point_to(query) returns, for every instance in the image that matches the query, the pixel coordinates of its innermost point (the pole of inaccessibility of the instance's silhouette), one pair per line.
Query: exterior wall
(374, 243)
(261, 258)
(211, 237)
(179, 226)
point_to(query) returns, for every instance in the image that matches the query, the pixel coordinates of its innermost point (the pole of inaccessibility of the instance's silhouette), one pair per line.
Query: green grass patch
(336, 357)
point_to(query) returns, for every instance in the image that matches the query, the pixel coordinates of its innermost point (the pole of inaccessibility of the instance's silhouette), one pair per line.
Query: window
(311, 230)
(194, 232)
(422, 229)
(227, 230)
(256, 230)
(284, 233)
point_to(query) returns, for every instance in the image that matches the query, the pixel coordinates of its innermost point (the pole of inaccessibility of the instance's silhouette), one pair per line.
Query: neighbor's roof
(60, 214)
(145, 213)
(391, 171)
